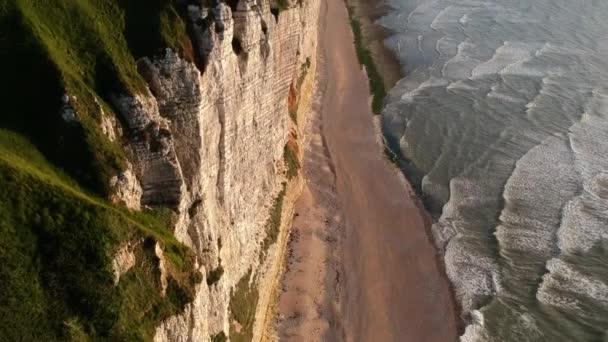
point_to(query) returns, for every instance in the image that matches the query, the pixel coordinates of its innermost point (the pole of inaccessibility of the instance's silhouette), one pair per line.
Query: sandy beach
(360, 264)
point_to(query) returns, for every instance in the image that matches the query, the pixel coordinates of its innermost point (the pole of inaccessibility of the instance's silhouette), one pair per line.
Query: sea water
(502, 126)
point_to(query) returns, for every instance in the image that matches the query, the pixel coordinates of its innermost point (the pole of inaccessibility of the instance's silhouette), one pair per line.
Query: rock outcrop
(123, 261)
(208, 140)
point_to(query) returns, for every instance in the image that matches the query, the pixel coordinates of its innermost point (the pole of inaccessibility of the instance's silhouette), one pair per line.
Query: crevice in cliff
(265, 43)
(195, 207)
(237, 47)
(233, 4)
(198, 28)
(264, 27)
(222, 155)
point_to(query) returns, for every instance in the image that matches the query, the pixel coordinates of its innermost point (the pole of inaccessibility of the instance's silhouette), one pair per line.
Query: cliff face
(148, 164)
(211, 145)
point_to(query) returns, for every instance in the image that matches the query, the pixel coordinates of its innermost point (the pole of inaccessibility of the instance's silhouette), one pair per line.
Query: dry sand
(361, 266)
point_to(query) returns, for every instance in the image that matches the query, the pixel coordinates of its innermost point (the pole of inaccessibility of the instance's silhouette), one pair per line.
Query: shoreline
(368, 12)
(352, 273)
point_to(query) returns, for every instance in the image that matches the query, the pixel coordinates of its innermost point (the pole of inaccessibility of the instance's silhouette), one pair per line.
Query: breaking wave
(502, 123)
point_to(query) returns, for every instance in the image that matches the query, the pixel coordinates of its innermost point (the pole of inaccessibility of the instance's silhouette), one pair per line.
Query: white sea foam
(475, 333)
(533, 106)
(462, 64)
(447, 46)
(564, 286)
(584, 224)
(581, 229)
(472, 273)
(542, 182)
(434, 82)
(431, 82)
(449, 17)
(424, 14)
(434, 189)
(503, 97)
(524, 330)
(505, 15)
(520, 68)
(508, 55)
(462, 85)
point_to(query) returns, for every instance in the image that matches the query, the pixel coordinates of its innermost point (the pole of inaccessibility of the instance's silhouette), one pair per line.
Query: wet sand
(361, 266)
(368, 12)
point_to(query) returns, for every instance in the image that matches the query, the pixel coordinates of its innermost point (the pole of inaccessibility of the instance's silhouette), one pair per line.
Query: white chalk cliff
(208, 140)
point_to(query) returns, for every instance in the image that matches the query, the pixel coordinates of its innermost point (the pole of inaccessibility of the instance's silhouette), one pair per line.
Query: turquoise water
(502, 123)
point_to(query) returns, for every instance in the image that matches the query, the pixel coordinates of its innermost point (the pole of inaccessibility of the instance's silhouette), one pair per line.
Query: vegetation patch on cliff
(273, 225)
(293, 99)
(290, 156)
(243, 302)
(376, 83)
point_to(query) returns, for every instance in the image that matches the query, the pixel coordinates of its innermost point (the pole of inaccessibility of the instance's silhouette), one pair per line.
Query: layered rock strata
(207, 140)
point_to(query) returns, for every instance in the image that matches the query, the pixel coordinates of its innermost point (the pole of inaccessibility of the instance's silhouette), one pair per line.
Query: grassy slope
(57, 233)
(85, 48)
(56, 243)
